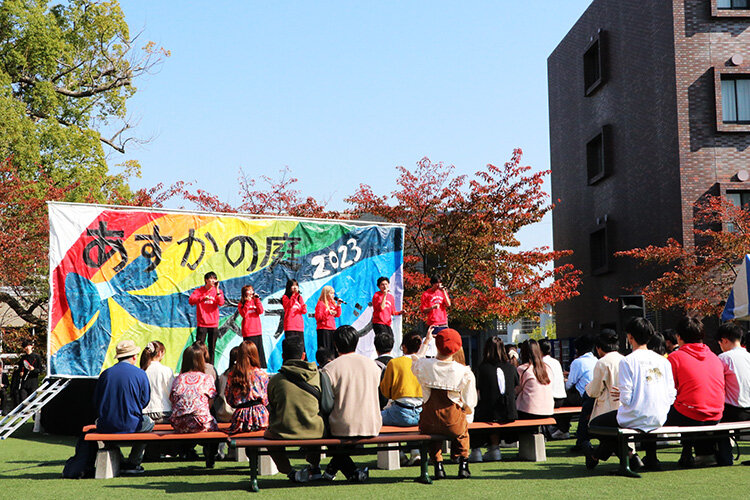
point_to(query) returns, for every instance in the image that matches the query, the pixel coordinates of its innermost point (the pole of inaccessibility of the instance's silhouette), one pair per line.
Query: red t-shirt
(699, 379)
(383, 316)
(207, 304)
(250, 312)
(326, 320)
(437, 316)
(294, 311)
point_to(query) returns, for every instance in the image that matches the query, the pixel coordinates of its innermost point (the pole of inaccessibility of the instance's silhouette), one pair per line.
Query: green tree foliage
(66, 72)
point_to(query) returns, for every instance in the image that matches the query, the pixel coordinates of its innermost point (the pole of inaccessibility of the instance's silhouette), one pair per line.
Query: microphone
(340, 301)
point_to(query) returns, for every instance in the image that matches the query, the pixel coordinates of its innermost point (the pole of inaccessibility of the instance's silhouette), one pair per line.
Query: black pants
(325, 339)
(702, 446)
(562, 422)
(381, 329)
(608, 444)
(582, 433)
(731, 414)
(211, 334)
(258, 341)
(341, 461)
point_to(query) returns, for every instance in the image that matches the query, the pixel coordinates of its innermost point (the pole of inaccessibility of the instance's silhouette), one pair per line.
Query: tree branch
(25, 314)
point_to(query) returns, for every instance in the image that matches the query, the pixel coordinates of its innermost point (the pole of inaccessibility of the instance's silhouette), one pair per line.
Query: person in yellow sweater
(403, 391)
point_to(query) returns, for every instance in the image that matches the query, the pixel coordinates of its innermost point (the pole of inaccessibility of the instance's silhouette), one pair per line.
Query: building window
(738, 199)
(593, 74)
(735, 99)
(597, 156)
(599, 251)
(733, 4)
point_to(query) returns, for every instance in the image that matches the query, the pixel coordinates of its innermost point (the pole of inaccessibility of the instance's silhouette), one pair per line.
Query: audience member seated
(121, 393)
(247, 391)
(323, 356)
(581, 372)
(645, 390)
(534, 391)
(383, 346)
(736, 361)
(558, 392)
(449, 391)
(401, 389)
(497, 380)
(160, 380)
(699, 379)
(294, 412)
(356, 409)
(605, 374)
(192, 393)
(222, 411)
(658, 344)
(670, 340)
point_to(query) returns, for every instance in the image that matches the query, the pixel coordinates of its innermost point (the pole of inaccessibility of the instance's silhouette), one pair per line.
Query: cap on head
(448, 341)
(126, 349)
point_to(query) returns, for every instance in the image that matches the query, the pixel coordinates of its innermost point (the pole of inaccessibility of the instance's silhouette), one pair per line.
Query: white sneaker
(492, 455)
(504, 444)
(475, 455)
(416, 458)
(558, 434)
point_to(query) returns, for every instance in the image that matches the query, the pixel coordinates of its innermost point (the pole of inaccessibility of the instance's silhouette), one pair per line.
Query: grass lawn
(31, 464)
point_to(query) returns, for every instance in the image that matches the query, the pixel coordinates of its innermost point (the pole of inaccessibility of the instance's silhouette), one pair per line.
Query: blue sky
(342, 92)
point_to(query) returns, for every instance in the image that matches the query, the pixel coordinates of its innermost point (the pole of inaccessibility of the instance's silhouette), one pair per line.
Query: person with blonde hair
(326, 312)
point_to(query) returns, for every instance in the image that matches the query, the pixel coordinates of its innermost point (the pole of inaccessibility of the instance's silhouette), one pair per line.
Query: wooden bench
(627, 436)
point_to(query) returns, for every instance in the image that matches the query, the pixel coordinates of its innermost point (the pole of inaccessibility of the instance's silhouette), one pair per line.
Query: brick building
(649, 107)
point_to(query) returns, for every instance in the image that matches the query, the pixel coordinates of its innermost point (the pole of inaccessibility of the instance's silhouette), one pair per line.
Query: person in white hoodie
(646, 391)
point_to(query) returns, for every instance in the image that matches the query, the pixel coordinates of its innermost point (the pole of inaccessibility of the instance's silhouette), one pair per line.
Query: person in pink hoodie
(294, 311)
(207, 299)
(699, 380)
(250, 308)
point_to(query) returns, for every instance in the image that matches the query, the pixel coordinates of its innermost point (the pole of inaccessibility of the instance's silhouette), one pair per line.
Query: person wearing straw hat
(120, 396)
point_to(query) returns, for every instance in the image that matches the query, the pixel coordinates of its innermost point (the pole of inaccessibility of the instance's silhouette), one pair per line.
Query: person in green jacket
(294, 412)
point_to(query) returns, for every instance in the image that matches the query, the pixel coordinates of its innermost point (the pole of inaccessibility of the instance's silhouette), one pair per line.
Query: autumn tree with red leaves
(697, 278)
(466, 230)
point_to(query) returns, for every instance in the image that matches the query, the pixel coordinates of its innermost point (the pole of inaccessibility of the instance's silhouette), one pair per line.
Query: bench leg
(389, 460)
(107, 462)
(531, 447)
(625, 459)
(253, 459)
(424, 466)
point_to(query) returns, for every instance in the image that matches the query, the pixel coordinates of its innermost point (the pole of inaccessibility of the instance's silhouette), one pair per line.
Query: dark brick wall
(641, 194)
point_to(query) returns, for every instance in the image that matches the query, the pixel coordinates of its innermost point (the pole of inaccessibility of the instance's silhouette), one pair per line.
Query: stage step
(50, 388)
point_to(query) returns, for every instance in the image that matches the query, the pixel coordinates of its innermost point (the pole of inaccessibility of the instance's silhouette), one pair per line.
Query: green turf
(31, 464)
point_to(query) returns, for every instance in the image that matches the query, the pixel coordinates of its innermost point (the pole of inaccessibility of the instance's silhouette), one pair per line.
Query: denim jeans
(401, 417)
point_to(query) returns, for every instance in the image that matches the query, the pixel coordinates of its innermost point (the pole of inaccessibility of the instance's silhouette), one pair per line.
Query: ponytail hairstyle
(530, 353)
(152, 350)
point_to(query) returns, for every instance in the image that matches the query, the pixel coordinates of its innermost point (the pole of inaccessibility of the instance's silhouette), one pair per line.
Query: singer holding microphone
(294, 311)
(326, 312)
(250, 308)
(383, 308)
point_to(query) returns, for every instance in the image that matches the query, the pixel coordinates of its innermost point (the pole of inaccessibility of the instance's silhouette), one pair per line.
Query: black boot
(463, 468)
(439, 471)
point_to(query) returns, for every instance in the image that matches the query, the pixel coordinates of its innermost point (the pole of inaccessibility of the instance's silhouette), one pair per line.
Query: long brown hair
(494, 351)
(242, 293)
(150, 352)
(243, 374)
(530, 353)
(193, 359)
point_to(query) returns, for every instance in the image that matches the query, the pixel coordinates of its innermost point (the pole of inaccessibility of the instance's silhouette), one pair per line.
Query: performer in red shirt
(294, 311)
(435, 304)
(207, 300)
(326, 312)
(383, 308)
(250, 309)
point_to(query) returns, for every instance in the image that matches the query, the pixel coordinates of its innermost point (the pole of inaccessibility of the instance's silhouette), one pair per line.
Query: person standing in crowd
(356, 410)
(121, 393)
(192, 394)
(562, 425)
(699, 379)
(534, 391)
(160, 379)
(294, 412)
(605, 375)
(250, 309)
(434, 305)
(497, 380)
(449, 391)
(326, 312)
(736, 361)
(247, 391)
(294, 310)
(581, 372)
(383, 308)
(645, 390)
(30, 366)
(207, 300)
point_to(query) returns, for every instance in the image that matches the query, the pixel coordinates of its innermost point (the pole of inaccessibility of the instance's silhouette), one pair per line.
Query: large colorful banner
(121, 273)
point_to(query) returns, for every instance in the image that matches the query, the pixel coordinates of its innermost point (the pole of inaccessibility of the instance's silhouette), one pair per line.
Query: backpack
(82, 464)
